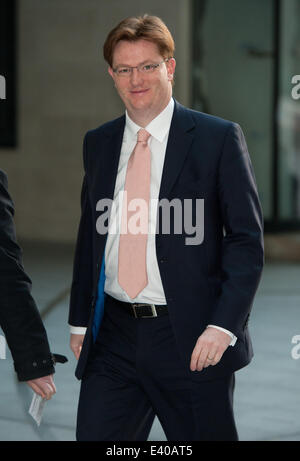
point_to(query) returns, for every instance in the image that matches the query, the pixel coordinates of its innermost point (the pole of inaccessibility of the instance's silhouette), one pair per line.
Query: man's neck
(143, 118)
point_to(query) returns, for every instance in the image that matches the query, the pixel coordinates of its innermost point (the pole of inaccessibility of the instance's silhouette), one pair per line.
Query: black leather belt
(141, 310)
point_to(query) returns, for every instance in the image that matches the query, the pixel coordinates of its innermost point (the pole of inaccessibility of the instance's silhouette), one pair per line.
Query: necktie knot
(143, 136)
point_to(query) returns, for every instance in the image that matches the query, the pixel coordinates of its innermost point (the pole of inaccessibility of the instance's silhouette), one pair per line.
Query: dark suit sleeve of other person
(242, 254)
(19, 317)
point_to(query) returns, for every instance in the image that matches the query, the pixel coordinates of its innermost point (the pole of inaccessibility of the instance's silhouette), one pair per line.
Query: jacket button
(34, 364)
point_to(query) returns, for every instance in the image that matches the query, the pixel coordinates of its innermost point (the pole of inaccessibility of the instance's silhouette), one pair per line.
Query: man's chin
(139, 105)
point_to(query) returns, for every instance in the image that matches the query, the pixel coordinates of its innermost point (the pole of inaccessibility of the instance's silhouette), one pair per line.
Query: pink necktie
(132, 271)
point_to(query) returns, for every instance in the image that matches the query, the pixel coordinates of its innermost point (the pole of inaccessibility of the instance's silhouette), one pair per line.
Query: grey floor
(267, 396)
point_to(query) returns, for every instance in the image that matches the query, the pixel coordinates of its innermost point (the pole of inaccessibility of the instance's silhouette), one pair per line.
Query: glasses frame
(139, 68)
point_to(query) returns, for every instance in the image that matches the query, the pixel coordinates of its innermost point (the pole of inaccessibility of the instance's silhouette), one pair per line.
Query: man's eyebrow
(127, 65)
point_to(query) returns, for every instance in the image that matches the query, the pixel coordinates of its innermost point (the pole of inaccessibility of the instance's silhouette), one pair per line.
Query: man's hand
(44, 386)
(76, 342)
(209, 348)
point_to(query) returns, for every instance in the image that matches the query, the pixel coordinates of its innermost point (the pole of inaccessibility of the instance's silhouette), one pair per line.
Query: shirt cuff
(77, 330)
(233, 337)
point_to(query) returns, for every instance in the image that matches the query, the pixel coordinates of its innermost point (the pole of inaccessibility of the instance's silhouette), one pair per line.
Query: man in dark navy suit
(19, 316)
(159, 319)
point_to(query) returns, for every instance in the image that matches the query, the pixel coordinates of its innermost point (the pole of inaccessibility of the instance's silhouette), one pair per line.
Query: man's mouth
(137, 92)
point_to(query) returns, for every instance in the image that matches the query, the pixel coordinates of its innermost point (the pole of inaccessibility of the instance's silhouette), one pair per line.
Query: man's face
(140, 92)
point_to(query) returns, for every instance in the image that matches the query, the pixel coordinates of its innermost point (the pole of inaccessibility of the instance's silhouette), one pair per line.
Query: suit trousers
(135, 373)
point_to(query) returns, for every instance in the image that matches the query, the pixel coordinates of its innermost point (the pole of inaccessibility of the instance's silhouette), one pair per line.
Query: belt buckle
(153, 308)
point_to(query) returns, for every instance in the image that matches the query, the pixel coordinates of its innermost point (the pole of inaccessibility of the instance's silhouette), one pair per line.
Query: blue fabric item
(99, 307)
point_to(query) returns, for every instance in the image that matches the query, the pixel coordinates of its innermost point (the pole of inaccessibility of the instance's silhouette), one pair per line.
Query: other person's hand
(44, 386)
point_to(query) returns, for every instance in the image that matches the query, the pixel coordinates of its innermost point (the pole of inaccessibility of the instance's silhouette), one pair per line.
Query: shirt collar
(158, 127)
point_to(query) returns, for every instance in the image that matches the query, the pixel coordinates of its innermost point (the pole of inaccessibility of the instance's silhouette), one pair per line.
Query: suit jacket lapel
(109, 155)
(179, 142)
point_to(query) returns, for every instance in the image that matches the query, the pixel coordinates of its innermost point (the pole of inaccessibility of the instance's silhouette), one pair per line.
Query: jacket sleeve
(242, 257)
(82, 282)
(19, 317)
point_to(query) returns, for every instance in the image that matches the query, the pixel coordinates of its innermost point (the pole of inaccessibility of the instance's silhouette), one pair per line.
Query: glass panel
(289, 112)
(233, 75)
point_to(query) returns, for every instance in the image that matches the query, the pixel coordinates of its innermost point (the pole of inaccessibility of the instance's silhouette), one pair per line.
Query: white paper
(36, 408)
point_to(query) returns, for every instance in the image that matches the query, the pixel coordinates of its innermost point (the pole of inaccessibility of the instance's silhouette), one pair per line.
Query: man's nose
(136, 77)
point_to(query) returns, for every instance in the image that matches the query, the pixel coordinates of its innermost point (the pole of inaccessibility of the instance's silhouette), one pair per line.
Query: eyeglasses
(143, 68)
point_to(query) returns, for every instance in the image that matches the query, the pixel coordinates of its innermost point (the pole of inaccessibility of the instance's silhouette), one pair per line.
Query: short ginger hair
(132, 29)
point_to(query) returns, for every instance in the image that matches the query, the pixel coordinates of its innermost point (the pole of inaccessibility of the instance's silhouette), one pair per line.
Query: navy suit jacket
(210, 283)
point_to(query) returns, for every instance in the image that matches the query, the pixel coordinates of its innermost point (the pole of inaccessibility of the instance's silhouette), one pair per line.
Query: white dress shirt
(153, 293)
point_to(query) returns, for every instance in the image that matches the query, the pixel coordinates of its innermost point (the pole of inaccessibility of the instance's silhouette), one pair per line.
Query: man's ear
(171, 68)
(111, 72)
